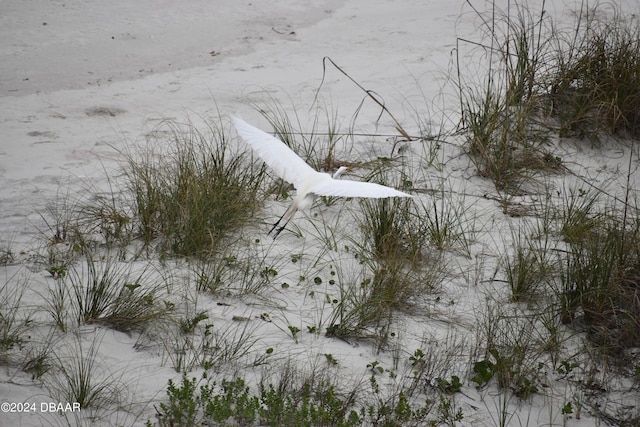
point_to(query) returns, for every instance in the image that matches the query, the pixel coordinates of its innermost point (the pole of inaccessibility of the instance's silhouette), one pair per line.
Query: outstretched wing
(275, 153)
(347, 188)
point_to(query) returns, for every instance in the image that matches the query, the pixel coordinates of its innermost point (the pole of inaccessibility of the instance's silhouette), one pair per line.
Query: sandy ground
(55, 45)
(80, 79)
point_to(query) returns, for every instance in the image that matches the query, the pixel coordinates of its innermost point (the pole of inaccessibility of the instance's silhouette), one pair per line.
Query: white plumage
(307, 181)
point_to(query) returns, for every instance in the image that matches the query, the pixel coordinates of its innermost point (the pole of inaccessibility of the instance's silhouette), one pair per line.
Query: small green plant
(568, 411)
(182, 406)
(449, 386)
(393, 410)
(57, 271)
(524, 388)
(513, 350)
(294, 332)
(269, 272)
(566, 367)
(375, 367)
(311, 403)
(188, 325)
(417, 358)
(235, 402)
(483, 372)
(193, 402)
(447, 412)
(330, 359)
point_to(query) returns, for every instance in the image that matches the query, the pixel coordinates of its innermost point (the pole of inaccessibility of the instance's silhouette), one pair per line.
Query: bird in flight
(308, 182)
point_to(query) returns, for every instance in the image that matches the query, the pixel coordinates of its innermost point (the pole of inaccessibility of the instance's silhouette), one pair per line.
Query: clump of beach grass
(595, 82)
(191, 195)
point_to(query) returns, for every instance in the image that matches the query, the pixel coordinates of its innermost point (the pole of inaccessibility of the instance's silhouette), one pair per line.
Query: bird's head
(341, 170)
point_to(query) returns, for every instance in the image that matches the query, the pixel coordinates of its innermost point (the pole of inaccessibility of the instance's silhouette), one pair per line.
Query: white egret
(307, 181)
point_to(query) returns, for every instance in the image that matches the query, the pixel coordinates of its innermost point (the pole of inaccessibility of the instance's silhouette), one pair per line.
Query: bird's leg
(276, 224)
(279, 230)
(289, 213)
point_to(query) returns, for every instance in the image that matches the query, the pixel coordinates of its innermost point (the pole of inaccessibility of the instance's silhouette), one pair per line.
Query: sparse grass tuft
(14, 321)
(512, 351)
(7, 254)
(373, 301)
(600, 284)
(579, 214)
(393, 229)
(38, 359)
(528, 265)
(317, 143)
(588, 78)
(238, 269)
(522, 273)
(190, 340)
(388, 231)
(436, 365)
(446, 222)
(104, 291)
(78, 377)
